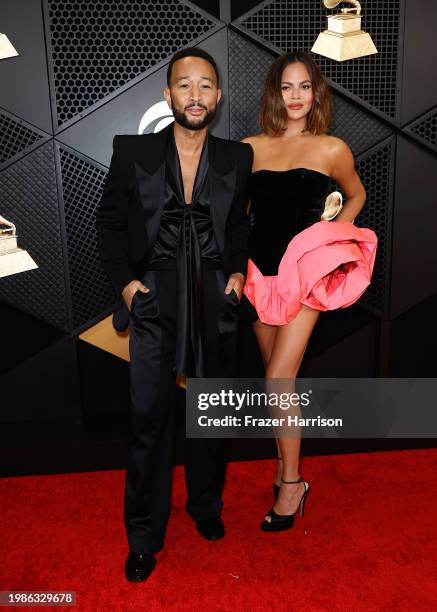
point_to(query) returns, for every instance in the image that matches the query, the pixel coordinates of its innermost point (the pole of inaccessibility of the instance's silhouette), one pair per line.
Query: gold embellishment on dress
(333, 205)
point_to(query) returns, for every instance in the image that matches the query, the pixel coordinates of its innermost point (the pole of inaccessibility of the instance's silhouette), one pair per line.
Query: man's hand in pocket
(235, 282)
(130, 290)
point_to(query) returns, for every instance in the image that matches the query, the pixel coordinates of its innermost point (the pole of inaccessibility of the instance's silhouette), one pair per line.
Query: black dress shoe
(211, 529)
(139, 566)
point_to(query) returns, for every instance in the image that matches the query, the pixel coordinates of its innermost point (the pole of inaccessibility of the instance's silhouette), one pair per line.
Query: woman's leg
(286, 356)
(265, 335)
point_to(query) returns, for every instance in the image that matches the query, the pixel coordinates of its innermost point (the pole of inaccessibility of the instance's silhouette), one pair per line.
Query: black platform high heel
(281, 522)
(276, 487)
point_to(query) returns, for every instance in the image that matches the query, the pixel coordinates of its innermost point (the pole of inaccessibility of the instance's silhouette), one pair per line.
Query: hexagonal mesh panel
(426, 128)
(15, 137)
(30, 200)
(99, 46)
(248, 65)
(375, 169)
(359, 129)
(82, 184)
(296, 25)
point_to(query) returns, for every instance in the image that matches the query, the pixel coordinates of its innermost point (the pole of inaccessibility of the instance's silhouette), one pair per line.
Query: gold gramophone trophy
(12, 258)
(7, 49)
(344, 39)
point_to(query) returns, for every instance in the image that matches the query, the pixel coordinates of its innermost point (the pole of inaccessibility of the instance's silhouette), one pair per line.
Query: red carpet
(368, 540)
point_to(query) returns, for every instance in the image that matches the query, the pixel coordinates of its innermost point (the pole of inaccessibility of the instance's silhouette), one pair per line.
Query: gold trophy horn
(334, 3)
(344, 39)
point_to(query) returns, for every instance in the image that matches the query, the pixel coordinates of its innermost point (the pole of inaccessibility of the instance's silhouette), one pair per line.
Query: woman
(294, 160)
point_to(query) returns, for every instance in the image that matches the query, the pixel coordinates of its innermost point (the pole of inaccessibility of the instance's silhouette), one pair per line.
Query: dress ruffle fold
(329, 265)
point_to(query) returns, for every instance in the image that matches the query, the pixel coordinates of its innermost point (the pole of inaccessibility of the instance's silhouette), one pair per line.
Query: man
(172, 232)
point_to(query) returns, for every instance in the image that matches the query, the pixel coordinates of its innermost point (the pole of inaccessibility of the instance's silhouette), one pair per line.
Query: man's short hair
(191, 52)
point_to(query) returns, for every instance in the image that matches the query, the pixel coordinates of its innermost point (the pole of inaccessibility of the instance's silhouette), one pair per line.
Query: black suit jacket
(129, 214)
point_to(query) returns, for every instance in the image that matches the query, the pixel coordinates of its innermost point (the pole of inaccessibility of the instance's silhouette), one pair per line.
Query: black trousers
(152, 407)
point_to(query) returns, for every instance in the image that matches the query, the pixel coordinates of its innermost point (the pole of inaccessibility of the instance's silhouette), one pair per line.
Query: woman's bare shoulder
(334, 145)
(337, 151)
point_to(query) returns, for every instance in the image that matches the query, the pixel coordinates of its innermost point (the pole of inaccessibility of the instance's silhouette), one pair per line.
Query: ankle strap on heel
(300, 479)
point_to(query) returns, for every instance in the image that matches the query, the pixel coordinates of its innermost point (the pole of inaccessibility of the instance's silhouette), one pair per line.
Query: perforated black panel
(15, 137)
(426, 128)
(375, 168)
(99, 46)
(295, 25)
(82, 187)
(30, 200)
(376, 171)
(248, 65)
(359, 129)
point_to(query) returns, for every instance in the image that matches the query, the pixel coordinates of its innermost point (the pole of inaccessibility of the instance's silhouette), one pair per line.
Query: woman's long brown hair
(273, 113)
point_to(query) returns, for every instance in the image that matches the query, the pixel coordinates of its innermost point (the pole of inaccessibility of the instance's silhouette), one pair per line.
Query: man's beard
(183, 120)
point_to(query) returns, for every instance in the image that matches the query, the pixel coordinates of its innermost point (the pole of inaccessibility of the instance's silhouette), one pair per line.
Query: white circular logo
(159, 112)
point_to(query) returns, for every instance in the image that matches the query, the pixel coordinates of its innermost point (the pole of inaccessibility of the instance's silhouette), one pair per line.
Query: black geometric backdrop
(16, 138)
(295, 25)
(30, 199)
(82, 183)
(425, 128)
(98, 53)
(124, 39)
(376, 169)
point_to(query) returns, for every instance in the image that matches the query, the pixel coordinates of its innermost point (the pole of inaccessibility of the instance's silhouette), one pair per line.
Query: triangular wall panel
(425, 129)
(24, 82)
(30, 200)
(99, 47)
(17, 138)
(82, 184)
(283, 26)
(93, 134)
(248, 66)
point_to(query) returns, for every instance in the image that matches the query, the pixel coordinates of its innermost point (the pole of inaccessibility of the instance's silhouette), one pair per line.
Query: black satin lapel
(222, 194)
(151, 188)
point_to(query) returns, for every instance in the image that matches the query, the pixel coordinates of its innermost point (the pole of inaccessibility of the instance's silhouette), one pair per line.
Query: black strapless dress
(283, 203)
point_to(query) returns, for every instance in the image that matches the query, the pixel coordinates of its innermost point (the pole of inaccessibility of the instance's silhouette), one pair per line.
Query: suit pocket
(134, 298)
(144, 306)
(235, 294)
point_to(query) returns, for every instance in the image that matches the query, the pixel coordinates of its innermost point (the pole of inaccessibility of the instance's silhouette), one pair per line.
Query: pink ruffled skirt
(326, 266)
